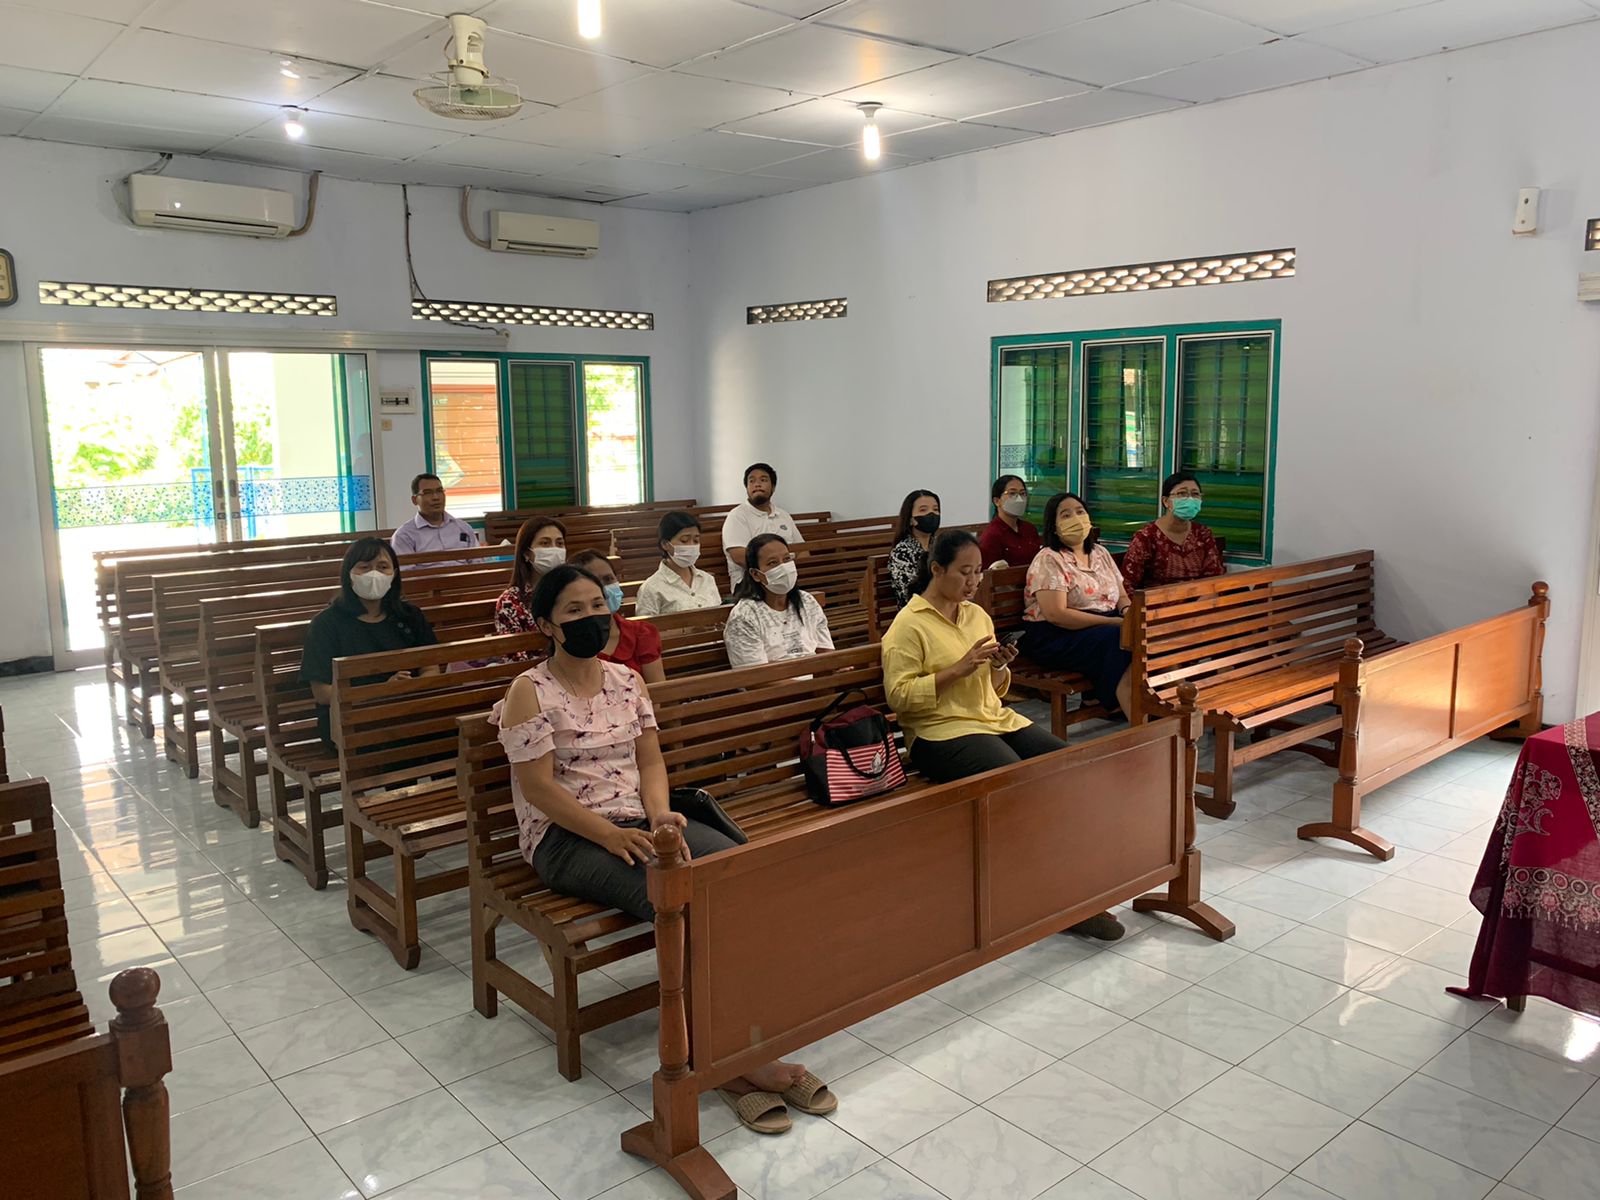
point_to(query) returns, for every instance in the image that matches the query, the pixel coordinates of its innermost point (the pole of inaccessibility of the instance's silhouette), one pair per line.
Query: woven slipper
(811, 1096)
(763, 1112)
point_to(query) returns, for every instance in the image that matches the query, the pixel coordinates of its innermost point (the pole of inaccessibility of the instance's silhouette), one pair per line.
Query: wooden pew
(399, 793)
(4, 778)
(503, 524)
(302, 771)
(70, 1094)
(1263, 646)
(735, 733)
(991, 864)
(1407, 707)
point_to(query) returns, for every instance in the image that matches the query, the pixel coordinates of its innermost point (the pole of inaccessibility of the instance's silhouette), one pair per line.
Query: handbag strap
(837, 701)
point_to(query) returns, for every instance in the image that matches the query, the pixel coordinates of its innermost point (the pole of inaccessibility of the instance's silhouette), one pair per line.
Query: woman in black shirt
(368, 617)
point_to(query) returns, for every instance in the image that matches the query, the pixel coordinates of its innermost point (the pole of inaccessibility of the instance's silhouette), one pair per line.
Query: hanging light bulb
(292, 127)
(871, 142)
(589, 19)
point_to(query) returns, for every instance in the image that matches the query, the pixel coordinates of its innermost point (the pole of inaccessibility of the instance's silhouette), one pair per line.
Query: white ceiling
(681, 104)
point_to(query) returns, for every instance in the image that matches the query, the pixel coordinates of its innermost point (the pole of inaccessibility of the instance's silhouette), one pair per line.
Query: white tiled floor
(1314, 1055)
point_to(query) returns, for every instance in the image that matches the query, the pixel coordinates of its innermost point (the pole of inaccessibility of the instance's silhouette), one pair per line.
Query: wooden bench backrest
(175, 599)
(876, 596)
(228, 625)
(3, 776)
(395, 732)
(590, 520)
(1232, 627)
(35, 958)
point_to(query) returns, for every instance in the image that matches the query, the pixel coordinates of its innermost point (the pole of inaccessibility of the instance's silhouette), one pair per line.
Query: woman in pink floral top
(1074, 601)
(590, 786)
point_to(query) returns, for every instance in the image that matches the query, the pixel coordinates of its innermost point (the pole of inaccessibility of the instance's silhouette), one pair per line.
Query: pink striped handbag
(849, 756)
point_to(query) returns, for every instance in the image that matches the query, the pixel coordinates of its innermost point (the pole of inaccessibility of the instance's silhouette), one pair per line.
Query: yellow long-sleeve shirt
(920, 643)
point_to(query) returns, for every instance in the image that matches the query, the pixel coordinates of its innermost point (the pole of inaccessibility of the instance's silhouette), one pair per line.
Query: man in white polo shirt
(758, 514)
(432, 528)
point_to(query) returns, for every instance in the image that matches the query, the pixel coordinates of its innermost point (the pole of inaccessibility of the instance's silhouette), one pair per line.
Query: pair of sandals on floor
(768, 1112)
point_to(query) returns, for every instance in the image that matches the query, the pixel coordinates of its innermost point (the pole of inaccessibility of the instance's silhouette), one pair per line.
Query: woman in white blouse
(1073, 604)
(773, 620)
(678, 585)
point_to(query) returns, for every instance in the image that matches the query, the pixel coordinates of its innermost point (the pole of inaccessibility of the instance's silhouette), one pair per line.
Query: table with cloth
(1538, 886)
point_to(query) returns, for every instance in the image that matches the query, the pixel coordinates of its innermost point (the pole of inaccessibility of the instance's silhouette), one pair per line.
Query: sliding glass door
(538, 430)
(158, 447)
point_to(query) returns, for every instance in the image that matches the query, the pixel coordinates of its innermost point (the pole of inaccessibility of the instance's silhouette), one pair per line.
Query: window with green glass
(1110, 413)
(1034, 415)
(1224, 432)
(1122, 401)
(544, 444)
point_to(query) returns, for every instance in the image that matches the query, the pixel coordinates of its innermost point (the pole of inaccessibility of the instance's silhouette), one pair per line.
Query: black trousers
(956, 758)
(575, 866)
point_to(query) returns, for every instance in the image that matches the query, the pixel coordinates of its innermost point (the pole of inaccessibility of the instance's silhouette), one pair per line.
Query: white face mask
(1014, 506)
(548, 558)
(686, 556)
(780, 580)
(374, 585)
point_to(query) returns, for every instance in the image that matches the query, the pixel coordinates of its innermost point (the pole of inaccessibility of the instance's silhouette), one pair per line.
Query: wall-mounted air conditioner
(210, 207)
(527, 233)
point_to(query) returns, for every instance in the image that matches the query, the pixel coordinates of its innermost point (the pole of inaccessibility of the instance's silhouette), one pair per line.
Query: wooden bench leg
(484, 998)
(1516, 1003)
(298, 843)
(1346, 824)
(1058, 715)
(391, 918)
(1182, 899)
(144, 1057)
(564, 987)
(1220, 802)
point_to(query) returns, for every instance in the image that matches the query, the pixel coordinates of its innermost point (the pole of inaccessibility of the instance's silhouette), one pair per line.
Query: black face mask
(586, 636)
(927, 523)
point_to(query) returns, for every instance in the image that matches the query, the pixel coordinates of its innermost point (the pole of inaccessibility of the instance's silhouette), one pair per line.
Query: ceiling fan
(465, 91)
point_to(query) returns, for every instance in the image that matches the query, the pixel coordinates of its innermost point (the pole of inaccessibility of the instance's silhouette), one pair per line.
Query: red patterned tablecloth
(1538, 887)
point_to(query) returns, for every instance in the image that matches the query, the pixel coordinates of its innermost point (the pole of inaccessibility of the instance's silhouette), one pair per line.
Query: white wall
(59, 217)
(1440, 380)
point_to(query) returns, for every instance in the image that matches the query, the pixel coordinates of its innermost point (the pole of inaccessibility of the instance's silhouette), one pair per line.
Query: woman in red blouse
(1173, 547)
(634, 644)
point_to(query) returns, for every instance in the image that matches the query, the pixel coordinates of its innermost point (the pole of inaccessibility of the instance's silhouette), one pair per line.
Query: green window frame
(1108, 413)
(545, 440)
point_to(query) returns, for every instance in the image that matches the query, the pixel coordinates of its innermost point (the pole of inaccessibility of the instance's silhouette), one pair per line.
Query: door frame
(225, 497)
(508, 486)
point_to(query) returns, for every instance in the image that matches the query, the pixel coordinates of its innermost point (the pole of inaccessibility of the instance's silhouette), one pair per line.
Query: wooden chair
(60, 1082)
(397, 760)
(1002, 594)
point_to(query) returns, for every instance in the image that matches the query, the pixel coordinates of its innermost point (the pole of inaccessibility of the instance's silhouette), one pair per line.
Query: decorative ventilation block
(1143, 277)
(171, 299)
(529, 314)
(799, 310)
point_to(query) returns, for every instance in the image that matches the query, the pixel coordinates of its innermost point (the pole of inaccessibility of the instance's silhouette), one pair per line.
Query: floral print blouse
(1093, 590)
(905, 564)
(593, 741)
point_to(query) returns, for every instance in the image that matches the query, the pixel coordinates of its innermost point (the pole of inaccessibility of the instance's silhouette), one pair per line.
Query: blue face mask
(613, 593)
(1186, 508)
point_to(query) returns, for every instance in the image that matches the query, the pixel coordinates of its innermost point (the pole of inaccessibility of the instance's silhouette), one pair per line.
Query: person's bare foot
(776, 1077)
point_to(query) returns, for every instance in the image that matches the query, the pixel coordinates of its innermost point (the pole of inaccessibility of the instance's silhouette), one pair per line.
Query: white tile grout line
(198, 791)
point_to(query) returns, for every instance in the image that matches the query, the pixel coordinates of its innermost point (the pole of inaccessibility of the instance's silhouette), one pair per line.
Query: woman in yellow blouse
(945, 676)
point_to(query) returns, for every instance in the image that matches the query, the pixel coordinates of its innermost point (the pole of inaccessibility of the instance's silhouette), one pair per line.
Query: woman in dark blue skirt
(1074, 605)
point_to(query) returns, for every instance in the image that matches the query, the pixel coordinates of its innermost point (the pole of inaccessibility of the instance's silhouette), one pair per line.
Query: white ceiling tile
(127, 103)
(1448, 25)
(648, 31)
(31, 91)
(120, 137)
(386, 139)
(941, 141)
(1274, 65)
(793, 8)
(12, 120)
(963, 88)
(571, 189)
(678, 201)
(1080, 112)
(279, 151)
(965, 26)
(671, 99)
(592, 132)
(736, 190)
(633, 176)
(165, 60)
(340, 31)
(389, 98)
(1132, 43)
(827, 122)
(723, 151)
(546, 73)
(499, 154)
(814, 60)
(437, 8)
(1297, 16)
(497, 181)
(121, 11)
(52, 41)
(826, 166)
